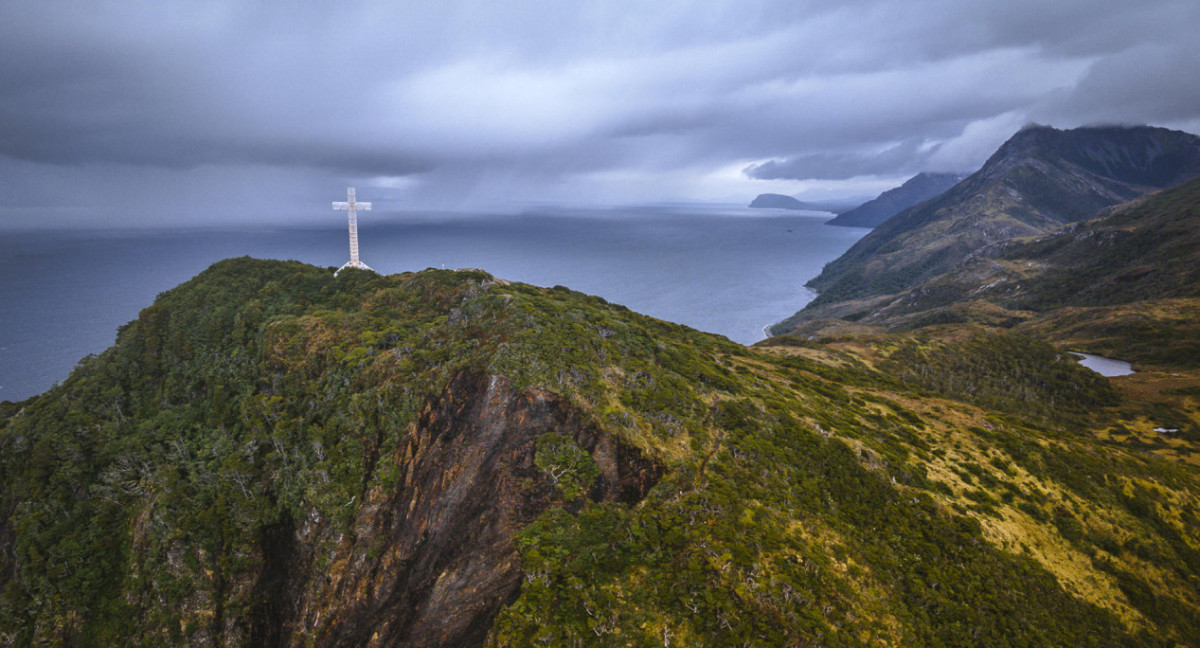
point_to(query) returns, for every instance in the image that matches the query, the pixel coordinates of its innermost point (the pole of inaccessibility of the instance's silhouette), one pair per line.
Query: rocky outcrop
(432, 561)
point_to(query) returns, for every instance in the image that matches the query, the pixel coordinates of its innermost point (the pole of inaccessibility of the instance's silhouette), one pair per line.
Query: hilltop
(916, 189)
(271, 455)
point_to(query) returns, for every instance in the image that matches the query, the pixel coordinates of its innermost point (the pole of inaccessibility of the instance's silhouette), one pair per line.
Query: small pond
(1106, 367)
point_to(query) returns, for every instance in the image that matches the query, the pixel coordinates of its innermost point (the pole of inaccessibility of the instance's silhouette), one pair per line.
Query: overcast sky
(168, 112)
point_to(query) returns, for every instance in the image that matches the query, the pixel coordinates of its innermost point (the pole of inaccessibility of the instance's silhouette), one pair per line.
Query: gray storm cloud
(482, 105)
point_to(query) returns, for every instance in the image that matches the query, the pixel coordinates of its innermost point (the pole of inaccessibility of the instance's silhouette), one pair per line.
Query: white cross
(351, 205)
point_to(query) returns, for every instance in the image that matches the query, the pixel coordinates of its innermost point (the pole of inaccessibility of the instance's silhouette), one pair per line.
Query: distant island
(780, 201)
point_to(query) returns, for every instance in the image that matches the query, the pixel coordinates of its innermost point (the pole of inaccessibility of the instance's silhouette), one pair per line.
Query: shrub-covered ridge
(271, 455)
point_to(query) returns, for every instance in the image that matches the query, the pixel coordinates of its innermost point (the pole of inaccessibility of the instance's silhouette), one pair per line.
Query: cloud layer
(464, 103)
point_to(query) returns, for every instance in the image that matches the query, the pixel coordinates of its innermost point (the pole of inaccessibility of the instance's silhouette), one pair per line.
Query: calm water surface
(724, 271)
(1106, 367)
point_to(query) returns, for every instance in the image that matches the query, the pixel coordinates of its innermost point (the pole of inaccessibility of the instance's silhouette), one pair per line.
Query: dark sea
(727, 271)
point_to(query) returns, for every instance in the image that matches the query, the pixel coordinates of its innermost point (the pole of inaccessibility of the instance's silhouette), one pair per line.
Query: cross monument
(351, 205)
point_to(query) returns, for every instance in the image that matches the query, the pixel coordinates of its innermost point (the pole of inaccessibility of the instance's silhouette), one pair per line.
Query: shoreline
(809, 292)
(1107, 367)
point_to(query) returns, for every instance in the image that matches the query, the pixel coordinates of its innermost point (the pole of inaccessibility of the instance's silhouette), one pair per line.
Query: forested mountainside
(1039, 180)
(274, 456)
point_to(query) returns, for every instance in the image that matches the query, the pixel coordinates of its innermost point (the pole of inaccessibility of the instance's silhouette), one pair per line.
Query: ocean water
(724, 270)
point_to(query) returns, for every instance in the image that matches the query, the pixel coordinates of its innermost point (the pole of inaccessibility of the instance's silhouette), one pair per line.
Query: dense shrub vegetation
(943, 499)
(1003, 372)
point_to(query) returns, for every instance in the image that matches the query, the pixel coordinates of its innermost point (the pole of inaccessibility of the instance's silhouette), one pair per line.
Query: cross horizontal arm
(341, 205)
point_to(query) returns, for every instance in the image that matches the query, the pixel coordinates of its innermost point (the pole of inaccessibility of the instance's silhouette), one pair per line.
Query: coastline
(806, 291)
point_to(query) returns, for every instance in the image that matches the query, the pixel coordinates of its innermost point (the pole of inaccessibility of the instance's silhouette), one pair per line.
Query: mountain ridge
(1133, 265)
(1039, 180)
(917, 189)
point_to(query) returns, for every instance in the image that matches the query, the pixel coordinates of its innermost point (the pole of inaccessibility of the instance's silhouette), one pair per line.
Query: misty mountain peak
(1138, 155)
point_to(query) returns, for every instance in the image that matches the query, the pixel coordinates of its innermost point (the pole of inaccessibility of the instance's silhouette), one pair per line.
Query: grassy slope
(811, 496)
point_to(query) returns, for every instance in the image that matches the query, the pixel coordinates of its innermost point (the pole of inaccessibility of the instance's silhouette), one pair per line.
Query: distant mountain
(1039, 180)
(776, 201)
(780, 201)
(1126, 283)
(917, 189)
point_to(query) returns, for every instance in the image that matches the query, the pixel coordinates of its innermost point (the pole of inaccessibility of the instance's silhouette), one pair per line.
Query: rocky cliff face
(446, 560)
(1141, 156)
(430, 558)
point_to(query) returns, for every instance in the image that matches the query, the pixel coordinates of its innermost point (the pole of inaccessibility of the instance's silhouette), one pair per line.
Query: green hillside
(270, 455)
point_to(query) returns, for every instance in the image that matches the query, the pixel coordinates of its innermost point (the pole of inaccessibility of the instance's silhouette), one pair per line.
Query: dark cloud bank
(118, 113)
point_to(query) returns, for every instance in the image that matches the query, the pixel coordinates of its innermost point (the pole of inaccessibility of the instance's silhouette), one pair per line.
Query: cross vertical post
(352, 206)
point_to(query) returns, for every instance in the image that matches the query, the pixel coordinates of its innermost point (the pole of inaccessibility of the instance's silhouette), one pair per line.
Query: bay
(724, 270)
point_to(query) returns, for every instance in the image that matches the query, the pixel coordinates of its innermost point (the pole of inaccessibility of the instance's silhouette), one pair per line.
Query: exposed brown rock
(434, 560)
